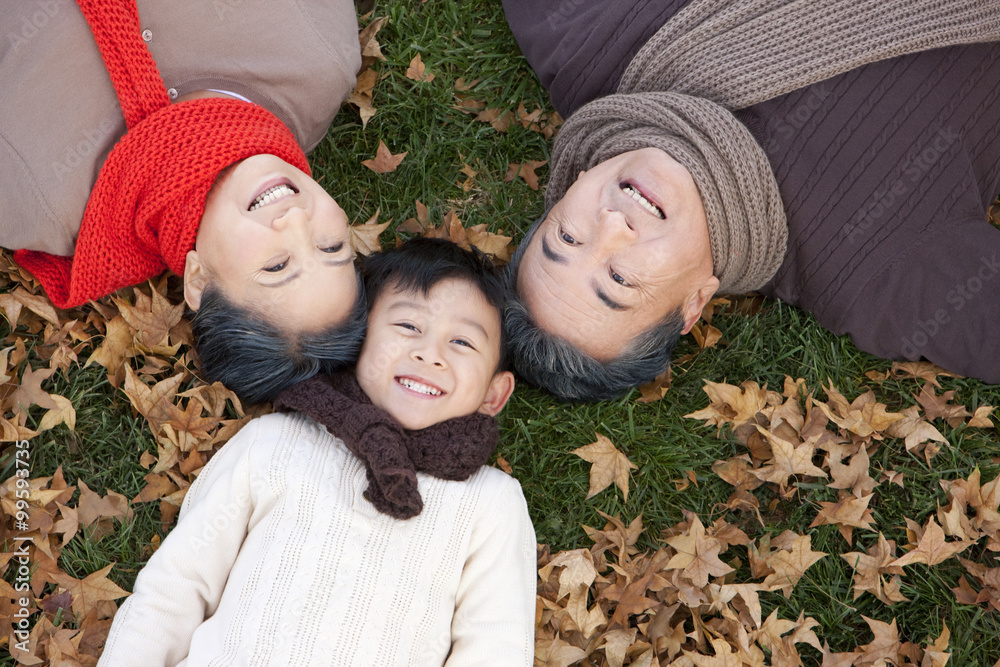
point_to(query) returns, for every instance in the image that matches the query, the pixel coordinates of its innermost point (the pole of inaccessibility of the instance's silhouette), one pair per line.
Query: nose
(614, 230)
(295, 218)
(428, 353)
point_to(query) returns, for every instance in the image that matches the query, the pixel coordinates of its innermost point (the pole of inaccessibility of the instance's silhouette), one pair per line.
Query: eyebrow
(608, 301)
(285, 281)
(549, 254)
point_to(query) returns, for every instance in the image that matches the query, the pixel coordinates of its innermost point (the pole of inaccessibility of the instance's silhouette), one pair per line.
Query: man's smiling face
(625, 246)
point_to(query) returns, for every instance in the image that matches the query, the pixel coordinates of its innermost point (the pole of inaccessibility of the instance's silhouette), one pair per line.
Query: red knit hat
(144, 210)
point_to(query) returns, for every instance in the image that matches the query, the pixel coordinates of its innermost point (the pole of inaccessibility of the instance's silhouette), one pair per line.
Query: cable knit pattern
(453, 449)
(277, 559)
(144, 211)
(736, 54)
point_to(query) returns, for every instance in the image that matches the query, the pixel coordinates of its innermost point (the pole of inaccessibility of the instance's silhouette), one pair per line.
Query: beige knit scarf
(715, 56)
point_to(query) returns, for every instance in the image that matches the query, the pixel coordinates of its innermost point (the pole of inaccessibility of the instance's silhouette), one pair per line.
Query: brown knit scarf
(715, 56)
(452, 450)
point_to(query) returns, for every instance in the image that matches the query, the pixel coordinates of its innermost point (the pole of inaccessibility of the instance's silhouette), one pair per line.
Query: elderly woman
(164, 135)
(840, 156)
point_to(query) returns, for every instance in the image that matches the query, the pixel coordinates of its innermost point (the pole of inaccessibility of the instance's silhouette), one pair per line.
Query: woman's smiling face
(625, 246)
(273, 240)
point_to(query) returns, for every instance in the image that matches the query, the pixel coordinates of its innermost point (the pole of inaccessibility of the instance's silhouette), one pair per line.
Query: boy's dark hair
(256, 360)
(421, 263)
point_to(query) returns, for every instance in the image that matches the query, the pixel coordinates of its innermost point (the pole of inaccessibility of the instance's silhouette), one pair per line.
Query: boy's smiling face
(429, 358)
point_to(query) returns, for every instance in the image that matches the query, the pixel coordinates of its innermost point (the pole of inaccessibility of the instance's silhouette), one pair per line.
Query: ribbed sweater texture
(278, 559)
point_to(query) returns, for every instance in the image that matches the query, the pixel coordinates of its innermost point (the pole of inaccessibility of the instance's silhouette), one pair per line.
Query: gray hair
(256, 360)
(556, 365)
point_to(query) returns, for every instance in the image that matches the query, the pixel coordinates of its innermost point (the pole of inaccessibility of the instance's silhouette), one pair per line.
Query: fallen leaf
(526, 170)
(364, 238)
(609, 465)
(790, 566)
(932, 548)
(418, 71)
(384, 161)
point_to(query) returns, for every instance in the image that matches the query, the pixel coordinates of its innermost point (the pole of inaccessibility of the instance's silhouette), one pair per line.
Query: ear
(196, 279)
(501, 387)
(696, 303)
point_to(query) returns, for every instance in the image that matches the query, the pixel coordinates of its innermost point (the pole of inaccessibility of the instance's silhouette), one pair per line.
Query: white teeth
(645, 203)
(270, 195)
(420, 387)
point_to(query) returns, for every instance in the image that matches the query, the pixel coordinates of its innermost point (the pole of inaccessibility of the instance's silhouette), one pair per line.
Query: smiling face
(273, 240)
(429, 358)
(625, 246)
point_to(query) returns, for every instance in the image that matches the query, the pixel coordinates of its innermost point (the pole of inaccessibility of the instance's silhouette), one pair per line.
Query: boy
(288, 550)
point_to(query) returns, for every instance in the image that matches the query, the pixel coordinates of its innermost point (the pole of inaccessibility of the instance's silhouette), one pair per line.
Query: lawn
(645, 596)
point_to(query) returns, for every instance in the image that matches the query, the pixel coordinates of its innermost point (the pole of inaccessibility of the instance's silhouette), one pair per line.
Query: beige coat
(59, 115)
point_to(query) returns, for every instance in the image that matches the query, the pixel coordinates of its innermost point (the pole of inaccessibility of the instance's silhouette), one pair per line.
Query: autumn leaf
(885, 645)
(526, 170)
(697, 555)
(90, 590)
(932, 548)
(925, 370)
(790, 566)
(64, 414)
(847, 513)
(384, 161)
(940, 407)
(29, 392)
(870, 569)
(788, 460)
(657, 388)
(609, 465)
(418, 71)
(364, 238)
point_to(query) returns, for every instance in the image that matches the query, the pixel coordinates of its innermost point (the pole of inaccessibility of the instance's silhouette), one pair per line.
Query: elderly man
(839, 156)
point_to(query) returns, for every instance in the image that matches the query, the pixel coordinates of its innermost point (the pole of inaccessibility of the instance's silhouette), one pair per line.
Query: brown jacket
(886, 173)
(59, 115)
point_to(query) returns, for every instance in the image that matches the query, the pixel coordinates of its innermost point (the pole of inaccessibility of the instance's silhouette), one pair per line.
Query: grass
(470, 39)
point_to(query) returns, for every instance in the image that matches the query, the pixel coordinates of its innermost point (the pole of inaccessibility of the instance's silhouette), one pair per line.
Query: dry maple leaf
(869, 569)
(417, 71)
(847, 513)
(526, 170)
(90, 590)
(657, 388)
(29, 391)
(64, 414)
(731, 405)
(788, 460)
(556, 653)
(364, 238)
(981, 417)
(697, 555)
(925, 370)
(609, 465)
(705, 335)
(790, 565)
(915, 431)
(940, 407)
(932, 548)
(853, 476)
(371, 50)
(384, 161)
(362, 95)
(884, 646)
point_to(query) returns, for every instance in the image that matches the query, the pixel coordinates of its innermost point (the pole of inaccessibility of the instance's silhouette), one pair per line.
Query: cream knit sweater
(277, 559)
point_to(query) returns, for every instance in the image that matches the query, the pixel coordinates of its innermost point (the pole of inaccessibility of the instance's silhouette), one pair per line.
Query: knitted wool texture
(715, 56)
(453, 449)
(143, 213)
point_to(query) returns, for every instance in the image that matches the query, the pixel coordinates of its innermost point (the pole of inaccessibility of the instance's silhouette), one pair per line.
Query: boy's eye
(333, 249)
(463, 342)
(407, 325)
(276, 267)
